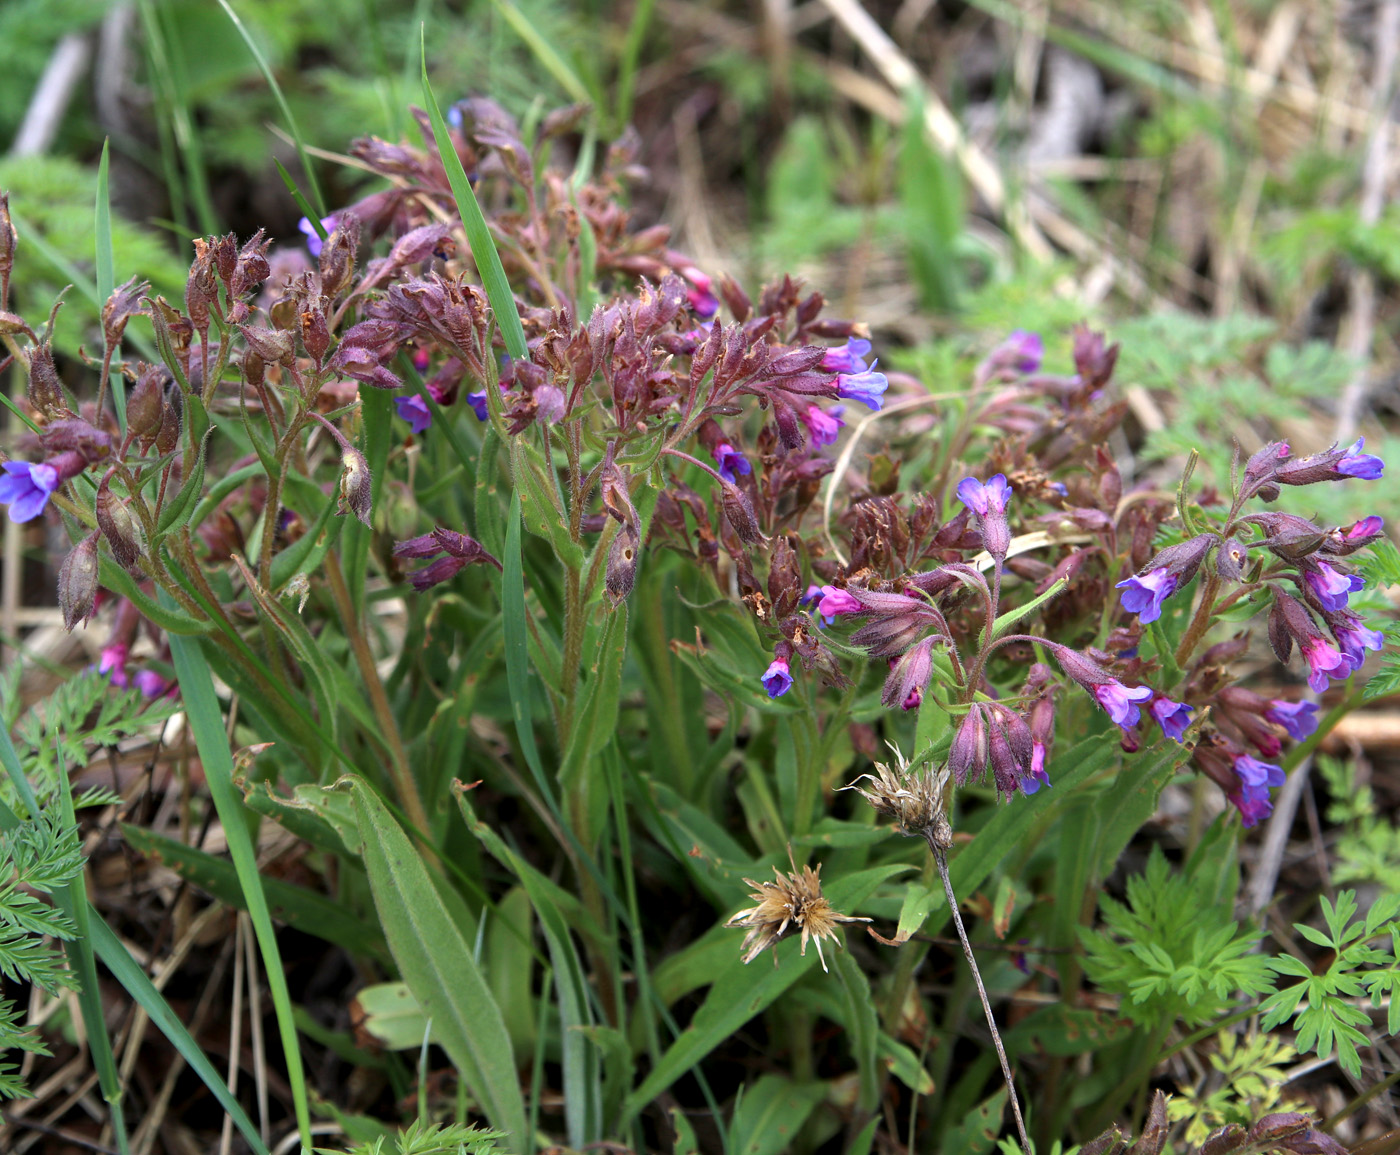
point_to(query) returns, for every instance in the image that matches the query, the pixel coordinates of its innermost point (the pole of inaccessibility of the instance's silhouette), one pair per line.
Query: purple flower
(837, 601)
(1022, 351)
(1298, 718)
(1121, 701)
(812, 597)
(550, 403)
(1253, 772)
(1366, 466)
(1173, 717)
(825, 425)
(1366, 527)
(731, 462)
(851, 359)
(313, 238)
(777, 678)
(1144, 595)
(1355, 639)
(1330, 586)
(113, 661)
(868, 387)
(1037, 776)
(984, 499)
(1253, 803)
(478, 403)
(151, 684)
(27, 487)
(415, 411)
(701, 299)
(1323, 660)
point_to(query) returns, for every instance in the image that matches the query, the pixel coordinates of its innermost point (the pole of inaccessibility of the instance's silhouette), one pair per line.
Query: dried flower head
(795, 901)
(912, 798)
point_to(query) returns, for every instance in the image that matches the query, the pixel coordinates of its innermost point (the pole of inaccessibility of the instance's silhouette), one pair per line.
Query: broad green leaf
(177, 510)
(862, 1029)
(978, 1130)
(392, 1015)
(770, 1114)
(207, 726)
(509, 967)
(438, 965)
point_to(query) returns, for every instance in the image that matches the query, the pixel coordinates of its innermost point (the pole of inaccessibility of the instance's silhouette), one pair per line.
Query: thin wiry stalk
(938, 857)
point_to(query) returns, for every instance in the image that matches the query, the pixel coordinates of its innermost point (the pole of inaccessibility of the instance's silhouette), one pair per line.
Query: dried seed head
(622, 564)
(794, 901)
(914, 799)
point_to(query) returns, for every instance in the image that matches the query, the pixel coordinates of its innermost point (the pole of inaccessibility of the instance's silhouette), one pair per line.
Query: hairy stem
(942, 861)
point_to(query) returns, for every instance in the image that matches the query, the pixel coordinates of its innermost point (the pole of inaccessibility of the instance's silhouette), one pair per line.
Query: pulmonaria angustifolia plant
(309, 422)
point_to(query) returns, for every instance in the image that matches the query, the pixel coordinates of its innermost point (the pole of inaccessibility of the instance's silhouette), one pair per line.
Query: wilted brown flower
(795, 900)
(913, 799)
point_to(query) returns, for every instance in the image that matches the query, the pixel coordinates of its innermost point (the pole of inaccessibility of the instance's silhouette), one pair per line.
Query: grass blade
(553, 63)
(517, 650)
(438, 965)
(627, 68)
(316, 197)
(307, 209)
(488, 260)
(207, 726)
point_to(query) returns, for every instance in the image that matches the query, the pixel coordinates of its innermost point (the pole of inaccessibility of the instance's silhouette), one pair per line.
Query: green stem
(404, 781)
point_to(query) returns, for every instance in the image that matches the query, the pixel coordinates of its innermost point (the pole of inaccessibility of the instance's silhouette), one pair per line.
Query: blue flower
(415, 411)
(777, 678)
(1298, 718)
(1144, 595)
(478, 403)
(984, 499)
(850, 359)
(1121, 701)
(1330, 586)
(731, 462)
(1037, 776)
(1173, 717)
(27, 487)
(867, 387)
(1366, 466)
(313, 238)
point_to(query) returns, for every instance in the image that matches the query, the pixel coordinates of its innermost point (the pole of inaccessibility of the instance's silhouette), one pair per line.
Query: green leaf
(862, 1029)
(1005, 621)
(207, 725)
(392, 1015)
(978, 1130)
(163, 613)
(177, 509)
(438, 964)
(483, 248)
(770, 1114)
(105, 269)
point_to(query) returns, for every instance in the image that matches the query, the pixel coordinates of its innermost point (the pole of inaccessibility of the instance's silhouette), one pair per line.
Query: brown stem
(938, 857)
(1201, 622)
(379, 700)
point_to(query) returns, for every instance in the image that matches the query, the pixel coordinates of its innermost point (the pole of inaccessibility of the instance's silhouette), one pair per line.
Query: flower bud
(77, 582)
(171, 422)
(967, 757)
(73, 434)
(909, 676)
(356, 484)
(45, 389)
(739, 511)
(117, 525)
(145, 408)
(11, 323)
(8, 243)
